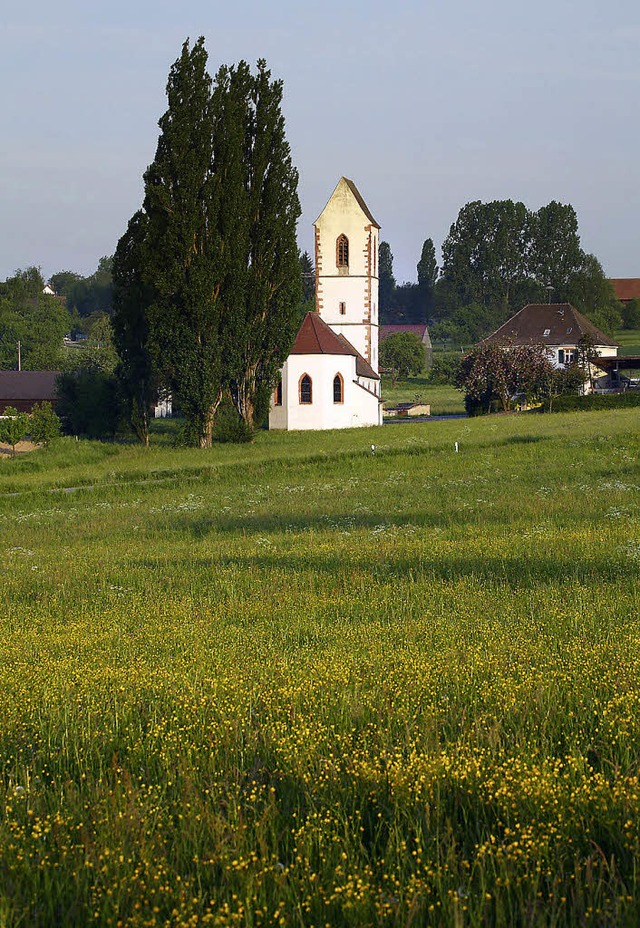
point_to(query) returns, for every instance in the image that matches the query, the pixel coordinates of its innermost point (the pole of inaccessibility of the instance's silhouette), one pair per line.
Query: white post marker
(456, 447)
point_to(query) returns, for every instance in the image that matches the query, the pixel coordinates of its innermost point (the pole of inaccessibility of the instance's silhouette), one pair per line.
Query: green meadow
(300, 684)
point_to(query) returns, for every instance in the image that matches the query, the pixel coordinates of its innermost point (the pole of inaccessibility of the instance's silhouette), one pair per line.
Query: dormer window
(546, 332)
(342, 251)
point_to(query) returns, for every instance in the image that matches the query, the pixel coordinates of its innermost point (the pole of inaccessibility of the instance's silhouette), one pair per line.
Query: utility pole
(19, 358)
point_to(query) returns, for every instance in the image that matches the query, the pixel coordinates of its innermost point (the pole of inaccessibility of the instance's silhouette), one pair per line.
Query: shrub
(13, 427)
(445, 367)
(596, 401)
(90, 403)
(44, 425)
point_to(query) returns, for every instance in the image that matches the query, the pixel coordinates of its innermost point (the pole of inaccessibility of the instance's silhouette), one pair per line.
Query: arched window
(277, 394)
(305, 390)
(338, 389)
(342, 251)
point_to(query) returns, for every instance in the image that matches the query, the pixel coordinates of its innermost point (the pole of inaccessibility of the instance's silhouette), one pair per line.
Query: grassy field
(629, 341)
(445, 400)
(297, 684)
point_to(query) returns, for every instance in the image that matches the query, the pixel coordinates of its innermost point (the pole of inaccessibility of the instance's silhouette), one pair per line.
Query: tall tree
(131, 300)
(182, 244)
(427, 277)
(555, 253)
(264, 295)
(308, 279)
(387, 282)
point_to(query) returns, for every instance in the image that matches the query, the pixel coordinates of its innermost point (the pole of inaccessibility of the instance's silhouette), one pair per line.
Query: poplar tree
(210, 265)
(132, 297)
(182, 246)
(262, 323)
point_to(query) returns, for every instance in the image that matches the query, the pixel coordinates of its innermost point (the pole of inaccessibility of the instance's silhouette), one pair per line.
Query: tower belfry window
(342, 251)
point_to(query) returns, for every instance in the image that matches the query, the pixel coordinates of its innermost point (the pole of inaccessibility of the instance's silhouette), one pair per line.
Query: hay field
(300, 684)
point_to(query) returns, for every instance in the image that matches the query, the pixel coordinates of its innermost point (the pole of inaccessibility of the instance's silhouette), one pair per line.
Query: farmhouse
(560, 328)
(330, 379)
(23, 389)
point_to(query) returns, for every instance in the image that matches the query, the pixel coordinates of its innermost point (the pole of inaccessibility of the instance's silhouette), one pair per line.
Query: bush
(596, 401)
(13, 427)
(90, 404)
(444, 368)
(44, 425)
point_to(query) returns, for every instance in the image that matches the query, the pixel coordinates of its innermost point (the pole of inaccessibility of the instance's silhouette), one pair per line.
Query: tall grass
(299, 684)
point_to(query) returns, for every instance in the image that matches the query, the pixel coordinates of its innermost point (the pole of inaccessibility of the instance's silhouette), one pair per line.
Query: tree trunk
(206, 435)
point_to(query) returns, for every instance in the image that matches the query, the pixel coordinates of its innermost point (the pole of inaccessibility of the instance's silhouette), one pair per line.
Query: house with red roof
(561, 328)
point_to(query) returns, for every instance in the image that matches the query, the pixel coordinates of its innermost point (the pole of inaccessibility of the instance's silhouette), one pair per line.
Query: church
(330, 379)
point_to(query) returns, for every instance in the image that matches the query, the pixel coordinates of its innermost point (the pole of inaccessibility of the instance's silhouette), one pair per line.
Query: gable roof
(561, 322)
(28, 385)
(315, 337)
(421, 330)
(626, 288)
(349, 184)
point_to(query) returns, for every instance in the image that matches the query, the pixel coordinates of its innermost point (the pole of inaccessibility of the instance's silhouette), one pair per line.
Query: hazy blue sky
(425, 105)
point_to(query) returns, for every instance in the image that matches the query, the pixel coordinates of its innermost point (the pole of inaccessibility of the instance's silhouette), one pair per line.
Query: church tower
(346, 258)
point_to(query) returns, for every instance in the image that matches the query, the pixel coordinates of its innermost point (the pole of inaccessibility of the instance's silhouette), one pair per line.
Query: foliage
(355, 690)
(36, 320)
(182, 251)
(13, 427)
(90, 403)
(386, 281)
(132, 298)
(494, 374)
(501, 255)
(563, 380)
(596, 401)
(44, 424)
(445, 368)
(217, 256)
(401, 354)
(630, 313)
(87, 295)
(427, 276)
(308, 280)
(262, 294)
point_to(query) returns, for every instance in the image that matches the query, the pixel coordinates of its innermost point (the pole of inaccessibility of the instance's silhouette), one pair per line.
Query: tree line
(498, 257)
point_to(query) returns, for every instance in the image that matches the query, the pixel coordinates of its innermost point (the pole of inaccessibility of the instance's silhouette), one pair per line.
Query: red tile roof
(561, 322)
(315, 337)
(387, 330)
(626, 288)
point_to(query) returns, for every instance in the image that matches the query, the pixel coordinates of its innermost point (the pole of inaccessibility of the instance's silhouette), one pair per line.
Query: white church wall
(358, 407)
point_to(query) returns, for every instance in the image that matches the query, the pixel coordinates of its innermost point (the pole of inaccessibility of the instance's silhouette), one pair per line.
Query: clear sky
(425, 105)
